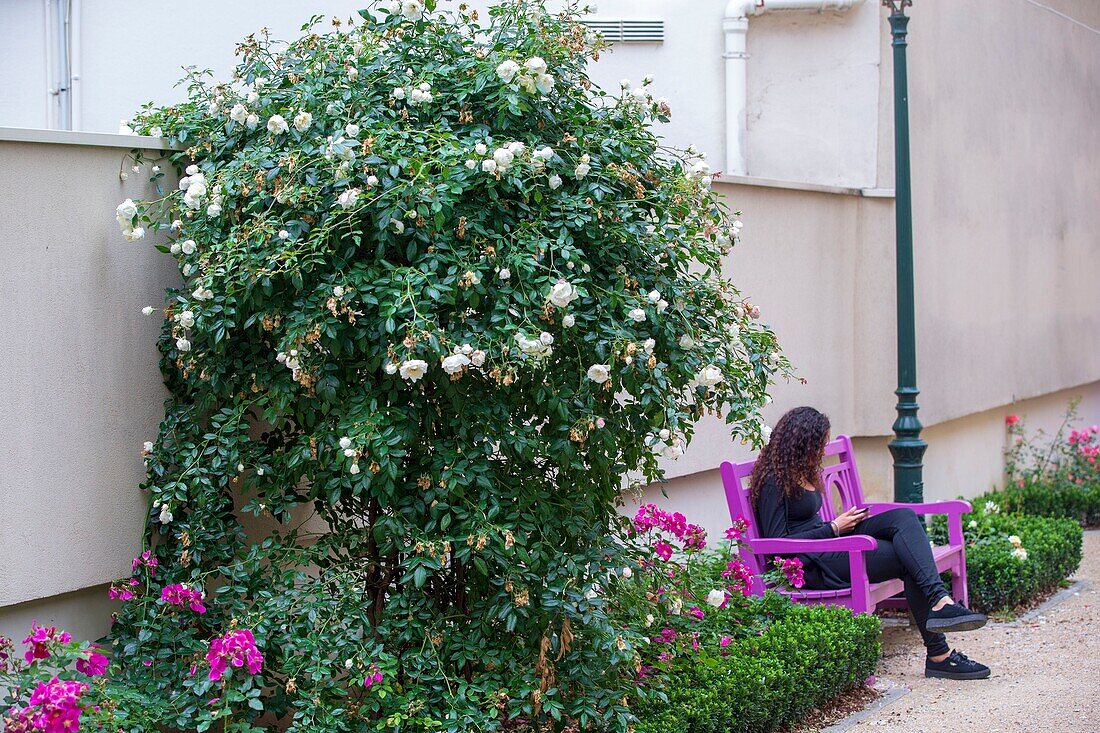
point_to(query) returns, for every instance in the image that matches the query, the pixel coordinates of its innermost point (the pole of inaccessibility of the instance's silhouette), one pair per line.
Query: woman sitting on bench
(786, 492)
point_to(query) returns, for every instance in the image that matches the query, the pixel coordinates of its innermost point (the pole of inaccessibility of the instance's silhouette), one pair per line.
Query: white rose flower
(599, 373)
(455, 363)
(477, 358)
(348, 198)
(353, 469)
(505, 273)
(535, 65)
(546, 338)
(176, 225)
(350, 452)
(686, 342)
(183, 345)
(148, 310)
(992, 508)
(675, 607)
(709, 376)
(562, 293)
(338, 291)
(545, 153)
(664, 434)
(581, 170)
(165, 515)
(351, 130)
(213, 209)
(489, 165)
(973, 524)
(126, 210)
(191, 170)
(353, 73)
(1015, 540)
(662, 305)
(176, 248)
(413, 370)
(238, 114)
(147, 447)
(766, 432)
(507, 70)
(628, 572)
(653, 296)
(544, 83)
(187, 270)
(503, 158)
(716, 598)
(649, 345)
(568, 321)
(649, 619)
(134, 234)
(202, 293)
(302, 121)
(412, 10)
(252, 122)
(156, 132)
(284, 234)
(481, 148)
(637, 315)
(516, 147)
(391, 368)
(345, 442)
(372, 180)
(398, 226)
(186, 319)
(1020, 554)
(471, 164)
(554, 181)
(276, 125)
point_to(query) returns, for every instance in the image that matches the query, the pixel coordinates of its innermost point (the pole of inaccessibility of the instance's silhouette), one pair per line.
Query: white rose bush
(441, 294)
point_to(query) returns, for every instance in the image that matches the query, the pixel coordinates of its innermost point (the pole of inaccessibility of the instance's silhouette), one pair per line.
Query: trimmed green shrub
(1060, 499)
(806, 656)
(1011, 559)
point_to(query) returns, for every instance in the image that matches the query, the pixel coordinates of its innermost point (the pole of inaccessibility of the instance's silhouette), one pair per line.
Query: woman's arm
(771, 513)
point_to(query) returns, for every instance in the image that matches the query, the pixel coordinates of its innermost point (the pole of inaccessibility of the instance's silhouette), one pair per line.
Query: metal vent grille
(628, 31)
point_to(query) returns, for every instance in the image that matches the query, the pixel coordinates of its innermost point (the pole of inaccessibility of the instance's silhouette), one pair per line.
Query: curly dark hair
(792, 458)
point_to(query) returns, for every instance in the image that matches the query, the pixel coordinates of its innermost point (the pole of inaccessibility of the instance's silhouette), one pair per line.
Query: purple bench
(843, 478)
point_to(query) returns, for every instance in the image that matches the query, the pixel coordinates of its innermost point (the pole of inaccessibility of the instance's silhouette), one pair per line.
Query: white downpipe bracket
(735, 26)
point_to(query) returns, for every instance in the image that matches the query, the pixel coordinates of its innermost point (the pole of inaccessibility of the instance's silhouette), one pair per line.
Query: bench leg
(958, 584)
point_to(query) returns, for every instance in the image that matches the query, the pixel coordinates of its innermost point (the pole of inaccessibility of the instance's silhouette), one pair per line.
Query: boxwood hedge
(806, 656)
(1063, 499)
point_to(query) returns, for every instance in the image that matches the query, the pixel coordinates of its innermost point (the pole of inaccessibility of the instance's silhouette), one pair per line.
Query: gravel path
(1046, 672)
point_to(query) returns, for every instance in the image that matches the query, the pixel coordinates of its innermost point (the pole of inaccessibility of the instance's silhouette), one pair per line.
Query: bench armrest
(854, 544)
(953, 508)
(950, 507)
(784, 546)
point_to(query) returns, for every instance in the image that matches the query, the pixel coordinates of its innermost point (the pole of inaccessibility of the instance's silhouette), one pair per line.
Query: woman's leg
(910, 543)
(885, 563)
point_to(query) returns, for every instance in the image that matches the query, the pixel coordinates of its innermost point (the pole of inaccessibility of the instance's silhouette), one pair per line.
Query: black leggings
(903, 552)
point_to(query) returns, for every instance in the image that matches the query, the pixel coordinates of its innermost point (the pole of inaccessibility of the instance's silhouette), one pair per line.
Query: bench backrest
(840, 478)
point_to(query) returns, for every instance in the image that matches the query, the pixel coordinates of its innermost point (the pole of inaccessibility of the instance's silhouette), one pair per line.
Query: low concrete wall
(79, 377)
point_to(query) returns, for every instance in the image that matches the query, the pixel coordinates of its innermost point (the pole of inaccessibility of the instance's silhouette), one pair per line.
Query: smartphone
(863, 511)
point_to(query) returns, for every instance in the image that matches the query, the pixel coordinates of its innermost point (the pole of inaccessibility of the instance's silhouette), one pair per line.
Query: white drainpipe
(735, 25)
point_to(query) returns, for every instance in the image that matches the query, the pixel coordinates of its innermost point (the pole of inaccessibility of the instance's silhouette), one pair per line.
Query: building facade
(793, 106)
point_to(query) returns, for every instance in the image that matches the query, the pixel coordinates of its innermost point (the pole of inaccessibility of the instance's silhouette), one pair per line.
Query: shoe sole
(981, 675)
(961, 623)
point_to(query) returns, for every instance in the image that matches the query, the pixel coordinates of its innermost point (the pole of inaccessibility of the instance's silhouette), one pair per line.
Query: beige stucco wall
(1005, 183)
(964, 458)
(79, 381)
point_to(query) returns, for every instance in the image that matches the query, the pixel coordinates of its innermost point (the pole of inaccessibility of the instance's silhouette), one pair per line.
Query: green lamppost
(907, 446)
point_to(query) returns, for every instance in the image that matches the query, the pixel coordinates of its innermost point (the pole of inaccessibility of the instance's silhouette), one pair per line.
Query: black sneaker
(957, 666)
(954, 617)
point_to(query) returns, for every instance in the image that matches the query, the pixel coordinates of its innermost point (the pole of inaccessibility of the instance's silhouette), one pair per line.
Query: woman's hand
(847, 521)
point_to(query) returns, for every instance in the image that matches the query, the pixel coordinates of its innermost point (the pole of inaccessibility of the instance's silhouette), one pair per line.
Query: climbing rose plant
(442, 294)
